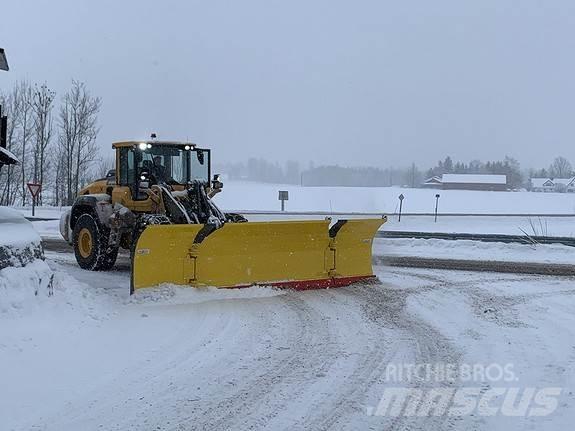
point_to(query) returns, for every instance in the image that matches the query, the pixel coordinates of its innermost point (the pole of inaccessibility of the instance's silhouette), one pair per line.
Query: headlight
(142, 146)
(187, 148)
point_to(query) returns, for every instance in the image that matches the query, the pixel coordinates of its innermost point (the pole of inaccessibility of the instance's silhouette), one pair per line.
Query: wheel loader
(158, 204)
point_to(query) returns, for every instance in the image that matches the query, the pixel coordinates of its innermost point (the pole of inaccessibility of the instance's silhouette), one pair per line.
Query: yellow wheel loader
(158, 204)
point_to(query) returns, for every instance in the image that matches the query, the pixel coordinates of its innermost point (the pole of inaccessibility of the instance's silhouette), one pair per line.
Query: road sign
(35, 189)
(401, 197)
(283, 196)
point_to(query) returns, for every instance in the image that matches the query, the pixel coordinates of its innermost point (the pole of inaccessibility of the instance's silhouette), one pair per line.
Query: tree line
(54, 139)
(516, 178)
(293, 172)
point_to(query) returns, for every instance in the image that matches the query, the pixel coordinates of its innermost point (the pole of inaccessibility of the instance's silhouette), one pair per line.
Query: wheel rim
(85, 243)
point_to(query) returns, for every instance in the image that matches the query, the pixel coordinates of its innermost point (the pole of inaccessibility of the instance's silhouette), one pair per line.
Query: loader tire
(91, 245)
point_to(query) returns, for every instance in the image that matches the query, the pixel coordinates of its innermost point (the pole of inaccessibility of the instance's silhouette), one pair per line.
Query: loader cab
(141, 165)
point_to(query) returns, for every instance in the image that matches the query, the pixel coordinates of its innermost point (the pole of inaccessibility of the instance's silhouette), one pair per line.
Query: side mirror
(217, 183)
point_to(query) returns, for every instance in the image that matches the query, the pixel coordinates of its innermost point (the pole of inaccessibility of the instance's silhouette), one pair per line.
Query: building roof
(7, 158)
(566, 181)
(433, 180)
(474, 179)
(541, 182)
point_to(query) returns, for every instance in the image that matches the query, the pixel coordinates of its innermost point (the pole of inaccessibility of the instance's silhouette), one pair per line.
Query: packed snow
(87, 356)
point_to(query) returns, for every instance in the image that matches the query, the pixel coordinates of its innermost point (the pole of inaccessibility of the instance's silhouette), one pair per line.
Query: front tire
(90, 240)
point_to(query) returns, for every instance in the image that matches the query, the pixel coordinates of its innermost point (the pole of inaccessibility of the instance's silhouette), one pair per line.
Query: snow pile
(19, 242)
(20, 287)
(28, 286)
(172, 294)
(35, 290)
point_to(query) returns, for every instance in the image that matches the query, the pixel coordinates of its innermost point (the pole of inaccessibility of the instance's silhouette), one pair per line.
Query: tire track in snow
(386, 306)
(260, 397)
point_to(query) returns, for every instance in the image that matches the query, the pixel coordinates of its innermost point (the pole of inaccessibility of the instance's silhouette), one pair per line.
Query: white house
(553, 184)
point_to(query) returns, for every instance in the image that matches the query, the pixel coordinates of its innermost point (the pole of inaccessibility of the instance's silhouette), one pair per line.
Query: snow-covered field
(90, 357)
(249, 197)
(264, 197)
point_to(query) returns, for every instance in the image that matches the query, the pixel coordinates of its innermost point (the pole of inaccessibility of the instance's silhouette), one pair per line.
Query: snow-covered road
(183, 359)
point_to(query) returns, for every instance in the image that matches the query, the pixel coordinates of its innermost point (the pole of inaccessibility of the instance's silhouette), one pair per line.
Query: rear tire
(90, 240)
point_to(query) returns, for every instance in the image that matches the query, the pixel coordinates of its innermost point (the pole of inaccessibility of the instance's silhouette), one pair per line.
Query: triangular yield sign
(34, 188)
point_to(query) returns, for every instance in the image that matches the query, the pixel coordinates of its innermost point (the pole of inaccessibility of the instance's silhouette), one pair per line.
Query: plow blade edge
(297, 254)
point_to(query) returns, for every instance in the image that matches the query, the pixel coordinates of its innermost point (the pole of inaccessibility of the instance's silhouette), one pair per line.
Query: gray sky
(349, 82)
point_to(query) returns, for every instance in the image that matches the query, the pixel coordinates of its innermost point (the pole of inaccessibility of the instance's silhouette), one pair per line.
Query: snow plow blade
(293, 254)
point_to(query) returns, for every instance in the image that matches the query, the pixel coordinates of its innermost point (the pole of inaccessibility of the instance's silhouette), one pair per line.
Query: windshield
(173, 165)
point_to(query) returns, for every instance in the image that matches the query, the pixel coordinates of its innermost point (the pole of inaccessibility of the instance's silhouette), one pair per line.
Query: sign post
(34, 191)
(436, 205)
(401, 198)
(283, 196)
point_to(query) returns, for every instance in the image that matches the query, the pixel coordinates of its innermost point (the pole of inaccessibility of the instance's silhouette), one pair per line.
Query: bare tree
(42, 105)
(16, 105)
(561, 168)
(105, 164)
(78, 124)
(26, 131)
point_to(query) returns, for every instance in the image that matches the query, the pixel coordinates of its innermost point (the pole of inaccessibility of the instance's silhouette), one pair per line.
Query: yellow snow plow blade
(297, 254)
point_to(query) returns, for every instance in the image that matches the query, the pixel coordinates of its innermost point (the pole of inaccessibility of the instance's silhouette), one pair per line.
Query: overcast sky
(349, 82)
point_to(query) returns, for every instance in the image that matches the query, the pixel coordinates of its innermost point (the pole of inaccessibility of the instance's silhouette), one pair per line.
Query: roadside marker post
(436, 205)
(401, 198)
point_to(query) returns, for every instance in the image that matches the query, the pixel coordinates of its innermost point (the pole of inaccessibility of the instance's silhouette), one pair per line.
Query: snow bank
(475, 250)
(28, 286)
(20, 244)
(23, 287)
(36, 290)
